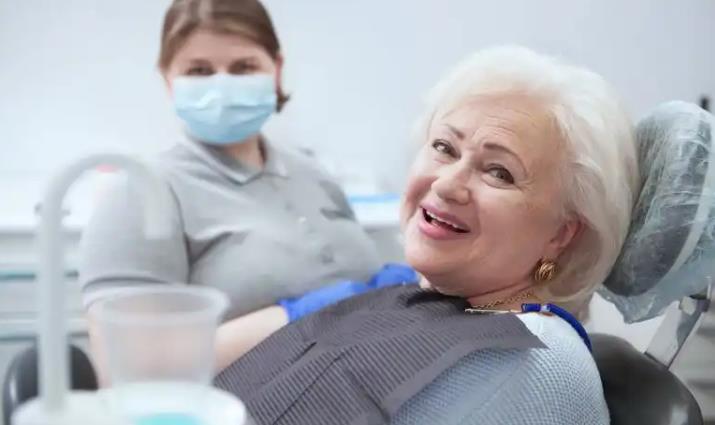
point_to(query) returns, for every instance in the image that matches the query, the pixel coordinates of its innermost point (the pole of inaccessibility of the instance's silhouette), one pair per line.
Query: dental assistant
(256, 221)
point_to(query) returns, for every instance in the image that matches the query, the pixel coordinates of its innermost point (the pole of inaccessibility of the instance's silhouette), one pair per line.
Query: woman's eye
(443, 147)
(199, 71)
(502, 174)
(243, 68)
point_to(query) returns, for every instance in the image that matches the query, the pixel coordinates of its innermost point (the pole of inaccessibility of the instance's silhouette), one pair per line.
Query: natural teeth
(433, 217)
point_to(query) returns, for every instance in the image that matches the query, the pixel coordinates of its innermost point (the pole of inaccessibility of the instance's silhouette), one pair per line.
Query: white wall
(359, 68)
(79, 75)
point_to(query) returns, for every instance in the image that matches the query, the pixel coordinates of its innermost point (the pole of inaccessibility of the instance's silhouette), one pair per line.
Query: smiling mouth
(434, 220)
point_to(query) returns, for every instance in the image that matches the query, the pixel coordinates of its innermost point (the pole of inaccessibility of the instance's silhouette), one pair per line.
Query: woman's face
(206, 52)
(483, 197)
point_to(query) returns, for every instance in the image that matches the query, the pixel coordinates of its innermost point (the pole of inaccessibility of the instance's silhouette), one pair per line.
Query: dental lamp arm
(53, 354)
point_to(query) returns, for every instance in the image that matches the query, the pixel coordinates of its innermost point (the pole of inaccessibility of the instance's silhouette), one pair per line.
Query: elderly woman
(521, 192)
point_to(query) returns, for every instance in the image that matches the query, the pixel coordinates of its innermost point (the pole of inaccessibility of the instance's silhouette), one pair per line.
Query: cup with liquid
(158, 344)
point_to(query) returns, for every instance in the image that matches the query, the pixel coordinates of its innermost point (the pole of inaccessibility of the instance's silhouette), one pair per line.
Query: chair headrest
(670, 248)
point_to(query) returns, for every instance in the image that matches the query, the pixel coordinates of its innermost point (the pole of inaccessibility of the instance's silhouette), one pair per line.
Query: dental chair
(668, 255)
(21, 383)
(638, 387)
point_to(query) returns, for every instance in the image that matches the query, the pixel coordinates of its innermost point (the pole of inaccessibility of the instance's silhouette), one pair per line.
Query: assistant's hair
(247, 18)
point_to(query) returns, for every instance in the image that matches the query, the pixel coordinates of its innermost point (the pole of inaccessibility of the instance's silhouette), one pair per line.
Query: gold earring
(545, 271)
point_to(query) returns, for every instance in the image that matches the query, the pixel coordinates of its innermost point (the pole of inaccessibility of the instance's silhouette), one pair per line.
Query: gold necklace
(486, 308)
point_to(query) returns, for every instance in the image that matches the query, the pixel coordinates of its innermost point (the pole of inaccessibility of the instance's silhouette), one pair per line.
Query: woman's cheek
(502, 205)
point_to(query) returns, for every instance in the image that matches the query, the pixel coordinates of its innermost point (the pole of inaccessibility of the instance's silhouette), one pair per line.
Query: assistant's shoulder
(185, 168)
(177, 157)
(301, 162)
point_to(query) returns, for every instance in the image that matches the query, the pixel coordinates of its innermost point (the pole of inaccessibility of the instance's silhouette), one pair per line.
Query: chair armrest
(21, 380)
(638, 389)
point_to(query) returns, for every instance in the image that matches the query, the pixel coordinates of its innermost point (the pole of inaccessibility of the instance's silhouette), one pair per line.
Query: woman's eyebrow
(501, 148)
(457, 132)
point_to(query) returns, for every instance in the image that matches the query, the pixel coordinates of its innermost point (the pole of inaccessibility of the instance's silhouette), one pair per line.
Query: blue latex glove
(317, 299)
(393, 274)
(310, 302)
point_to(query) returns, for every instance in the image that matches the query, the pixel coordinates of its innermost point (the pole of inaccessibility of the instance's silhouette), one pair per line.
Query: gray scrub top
(259, 236)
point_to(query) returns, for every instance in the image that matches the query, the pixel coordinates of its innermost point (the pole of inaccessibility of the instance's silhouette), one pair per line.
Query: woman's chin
(452, 292)
(420, 261)
(426, 261)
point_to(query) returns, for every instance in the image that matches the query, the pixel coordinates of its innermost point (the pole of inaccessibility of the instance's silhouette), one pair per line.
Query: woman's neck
(505, 293)
(248, 152)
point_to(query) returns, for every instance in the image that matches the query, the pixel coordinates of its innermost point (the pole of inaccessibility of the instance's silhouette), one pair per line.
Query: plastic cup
(159, 348)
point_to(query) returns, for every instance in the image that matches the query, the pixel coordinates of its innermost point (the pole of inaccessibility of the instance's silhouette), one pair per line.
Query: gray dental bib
(359, 361)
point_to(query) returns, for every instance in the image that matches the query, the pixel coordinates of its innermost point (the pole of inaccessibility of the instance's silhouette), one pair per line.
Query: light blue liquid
(168, 419)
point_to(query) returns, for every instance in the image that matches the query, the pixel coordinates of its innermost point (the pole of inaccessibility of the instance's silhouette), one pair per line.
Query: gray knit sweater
(558, 385)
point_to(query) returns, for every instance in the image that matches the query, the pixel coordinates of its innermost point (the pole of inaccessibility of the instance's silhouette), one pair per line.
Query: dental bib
(359, 361)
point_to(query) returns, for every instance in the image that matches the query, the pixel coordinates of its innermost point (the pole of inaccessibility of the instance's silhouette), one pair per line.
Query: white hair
(600, 168)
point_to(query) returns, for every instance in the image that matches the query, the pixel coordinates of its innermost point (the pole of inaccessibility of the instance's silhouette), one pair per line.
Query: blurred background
(79, 76)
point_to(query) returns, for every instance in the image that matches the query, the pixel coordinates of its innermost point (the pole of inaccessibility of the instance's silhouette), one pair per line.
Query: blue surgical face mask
(224, 109)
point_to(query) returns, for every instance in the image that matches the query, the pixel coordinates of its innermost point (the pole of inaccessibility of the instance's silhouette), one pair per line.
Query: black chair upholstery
(638, 389)
(21, 383)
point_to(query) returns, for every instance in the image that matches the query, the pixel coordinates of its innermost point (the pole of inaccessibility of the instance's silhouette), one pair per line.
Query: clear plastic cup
(159, 348)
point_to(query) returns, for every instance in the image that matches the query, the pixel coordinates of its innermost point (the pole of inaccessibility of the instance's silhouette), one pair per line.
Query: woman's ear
(282, 97)
(565, 235)
(167, 82)
(279, 73)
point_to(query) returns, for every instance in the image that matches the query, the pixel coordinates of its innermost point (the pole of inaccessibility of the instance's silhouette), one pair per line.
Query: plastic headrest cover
(670, 249)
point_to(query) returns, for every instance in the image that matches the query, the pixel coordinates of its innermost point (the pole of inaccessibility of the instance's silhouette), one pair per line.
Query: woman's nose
(451, 185)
